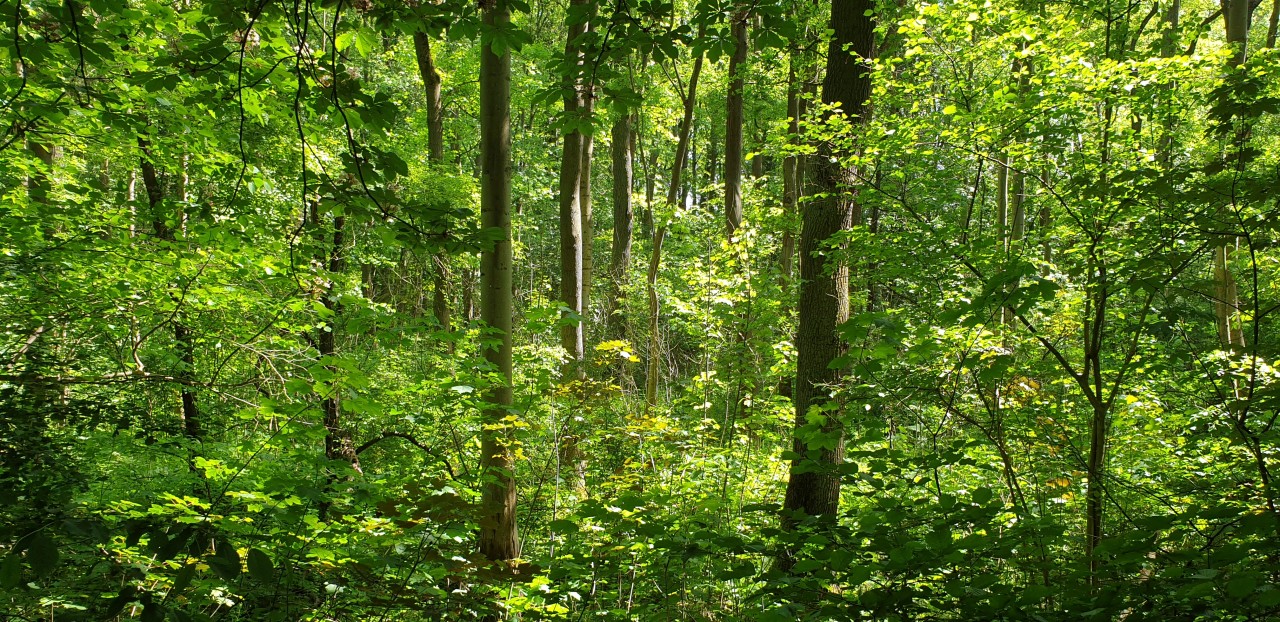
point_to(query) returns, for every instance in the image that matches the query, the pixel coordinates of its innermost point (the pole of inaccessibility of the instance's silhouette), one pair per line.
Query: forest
(369, 310)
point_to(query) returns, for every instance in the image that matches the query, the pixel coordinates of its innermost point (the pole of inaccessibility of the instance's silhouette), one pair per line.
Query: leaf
(153, 612)
(42, 554)
(10, 572)
(365, 41)
(260, 566)
(226, 562)
(117, 604)
(183, 580)
(1242, 586)
(344, 41)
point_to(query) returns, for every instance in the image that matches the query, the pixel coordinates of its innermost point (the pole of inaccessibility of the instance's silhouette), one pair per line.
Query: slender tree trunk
(182, 338)
(824, 300)
(1226, 294)
(498, 531)
(733, 126)
(435, 102)
(623, 219)
(441, 274)
(571, 215)
(660, 233)
(588, 221)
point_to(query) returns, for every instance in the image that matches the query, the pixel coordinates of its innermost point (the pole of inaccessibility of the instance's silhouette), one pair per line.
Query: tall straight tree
(441, 273)
(623, 217)
(824, 282)
(1226, 294)
(733, 125)
(571, 172)
(498, 532)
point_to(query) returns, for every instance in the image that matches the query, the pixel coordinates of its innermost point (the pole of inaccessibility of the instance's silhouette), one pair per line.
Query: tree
(498, 531)
(814, 489)
(733, 123)
(574, 154)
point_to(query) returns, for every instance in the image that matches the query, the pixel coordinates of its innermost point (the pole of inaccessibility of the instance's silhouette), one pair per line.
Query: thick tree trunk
(733, 127)
(1273, 24)
(498, 531)
(824, 303)
(660, 233)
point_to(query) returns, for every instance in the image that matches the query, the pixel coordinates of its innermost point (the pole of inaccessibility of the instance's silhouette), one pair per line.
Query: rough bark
(441, 274)
(814, 490)
(733, 127)
(498, 531)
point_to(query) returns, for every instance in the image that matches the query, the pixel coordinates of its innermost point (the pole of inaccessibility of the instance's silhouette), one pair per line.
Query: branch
(386, 434)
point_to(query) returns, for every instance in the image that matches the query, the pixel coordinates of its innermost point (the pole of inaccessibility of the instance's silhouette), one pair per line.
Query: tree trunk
(588, 221)
(824, 299)
(182, 338)
(498, 531)
(733, 127)
(623, 220)
(435, 102)
(1226, 295)
(441, 273)
(571, 215)
(660, 233)
(1273, 24)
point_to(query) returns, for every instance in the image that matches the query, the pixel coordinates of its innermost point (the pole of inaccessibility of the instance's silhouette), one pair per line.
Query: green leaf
(42, 554)
(1242, 586)
(226, 562)
(183, 580)
(365, 42)
(10, 572)
(260, 566)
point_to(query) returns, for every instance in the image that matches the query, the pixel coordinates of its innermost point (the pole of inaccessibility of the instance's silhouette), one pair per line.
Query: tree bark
(498, 531)
(182, 338)
(441, 274)
(1226, 294)
(623, 220)
(733, 126)
(571, 215)
(824, 300)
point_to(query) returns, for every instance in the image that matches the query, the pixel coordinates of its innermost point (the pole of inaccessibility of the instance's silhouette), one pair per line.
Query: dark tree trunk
(623, 218)
(733, 127)
(660, 233)
(182, 338)
(824, 300)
